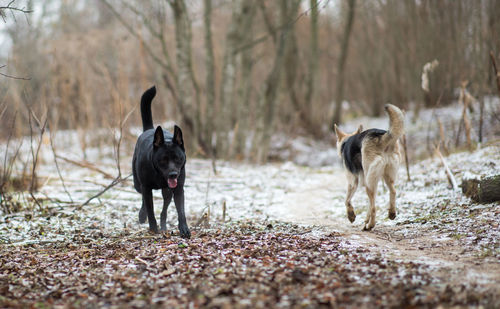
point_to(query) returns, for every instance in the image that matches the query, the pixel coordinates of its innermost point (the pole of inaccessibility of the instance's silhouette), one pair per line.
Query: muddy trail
(263, 236)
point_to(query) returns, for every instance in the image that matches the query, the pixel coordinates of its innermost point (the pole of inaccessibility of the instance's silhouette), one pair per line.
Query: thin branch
(6, 169)
(138, 36)
(86, 165)
(57, 165)
(115, 181)
(11, 76)
(4, 109)
(449, 174)
(35, 155)
(281, 27)
(12, 9)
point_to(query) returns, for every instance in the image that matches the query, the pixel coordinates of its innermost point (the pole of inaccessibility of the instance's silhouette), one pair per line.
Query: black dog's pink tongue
(172, 183)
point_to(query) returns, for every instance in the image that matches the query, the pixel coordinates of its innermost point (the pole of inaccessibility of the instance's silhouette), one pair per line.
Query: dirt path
(447, 256)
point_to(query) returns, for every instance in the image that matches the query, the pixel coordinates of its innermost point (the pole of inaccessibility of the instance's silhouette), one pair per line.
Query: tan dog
(371, 155)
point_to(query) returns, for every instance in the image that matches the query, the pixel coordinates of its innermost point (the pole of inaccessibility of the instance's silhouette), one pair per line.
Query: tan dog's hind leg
(372, 177)
(389, 178)
(372, 212)
(351, 189)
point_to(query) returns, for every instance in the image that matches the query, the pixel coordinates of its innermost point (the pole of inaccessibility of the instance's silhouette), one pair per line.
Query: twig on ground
(449, 174)
(224, 210)
(142, 261)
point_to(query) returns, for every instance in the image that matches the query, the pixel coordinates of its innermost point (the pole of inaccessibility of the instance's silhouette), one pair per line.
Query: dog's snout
(173, 175)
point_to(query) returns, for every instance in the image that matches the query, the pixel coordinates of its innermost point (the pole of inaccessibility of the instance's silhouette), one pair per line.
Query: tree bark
(185, 79)
(337, 116)
(261, 143)
(228, 80)
(314, 56)
(244, 91)
(210, 77)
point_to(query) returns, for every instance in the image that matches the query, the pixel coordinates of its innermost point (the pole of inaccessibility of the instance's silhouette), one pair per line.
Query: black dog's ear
(159, 138)
(178, 137)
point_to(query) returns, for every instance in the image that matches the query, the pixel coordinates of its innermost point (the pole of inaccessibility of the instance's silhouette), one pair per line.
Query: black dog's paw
(184, 231)
(153, 228)
(351, 215)
(143, 215)
(392, 215)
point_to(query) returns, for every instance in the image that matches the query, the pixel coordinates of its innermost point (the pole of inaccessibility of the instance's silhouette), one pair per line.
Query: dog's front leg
(167, 197)
(147, 199)
(143, 214)
(179, 204)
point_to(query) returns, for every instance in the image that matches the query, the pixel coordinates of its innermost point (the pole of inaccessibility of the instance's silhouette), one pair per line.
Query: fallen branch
(449, 174)
(486, 190)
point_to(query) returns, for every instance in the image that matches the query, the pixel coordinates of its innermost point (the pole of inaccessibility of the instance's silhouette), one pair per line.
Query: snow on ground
(280, 191)
(311, 193)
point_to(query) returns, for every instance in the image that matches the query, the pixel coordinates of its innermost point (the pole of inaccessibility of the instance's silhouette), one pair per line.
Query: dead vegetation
(239, 266)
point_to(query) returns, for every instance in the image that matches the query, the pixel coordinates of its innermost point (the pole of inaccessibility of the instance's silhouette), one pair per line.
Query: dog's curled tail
(396, 125)
(147, 118)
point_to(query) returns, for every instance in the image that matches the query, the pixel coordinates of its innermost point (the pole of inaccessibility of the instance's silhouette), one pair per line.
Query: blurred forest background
(231, 73)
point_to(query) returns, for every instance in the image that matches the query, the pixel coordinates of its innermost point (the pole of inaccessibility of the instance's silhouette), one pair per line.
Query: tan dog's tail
(396, 125)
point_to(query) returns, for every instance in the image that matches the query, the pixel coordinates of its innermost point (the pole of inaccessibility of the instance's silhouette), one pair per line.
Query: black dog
(159, 163)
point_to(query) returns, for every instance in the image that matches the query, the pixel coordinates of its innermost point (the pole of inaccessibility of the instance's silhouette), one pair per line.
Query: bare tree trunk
(314, 56)
(228, 80)
(245, 86)
(186, 82)
(261, 142)
(301, 103)
(210, 77)
(337, 116)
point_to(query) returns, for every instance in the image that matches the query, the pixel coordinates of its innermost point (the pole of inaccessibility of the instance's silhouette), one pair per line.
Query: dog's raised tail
(396, 125)
(147, 117)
